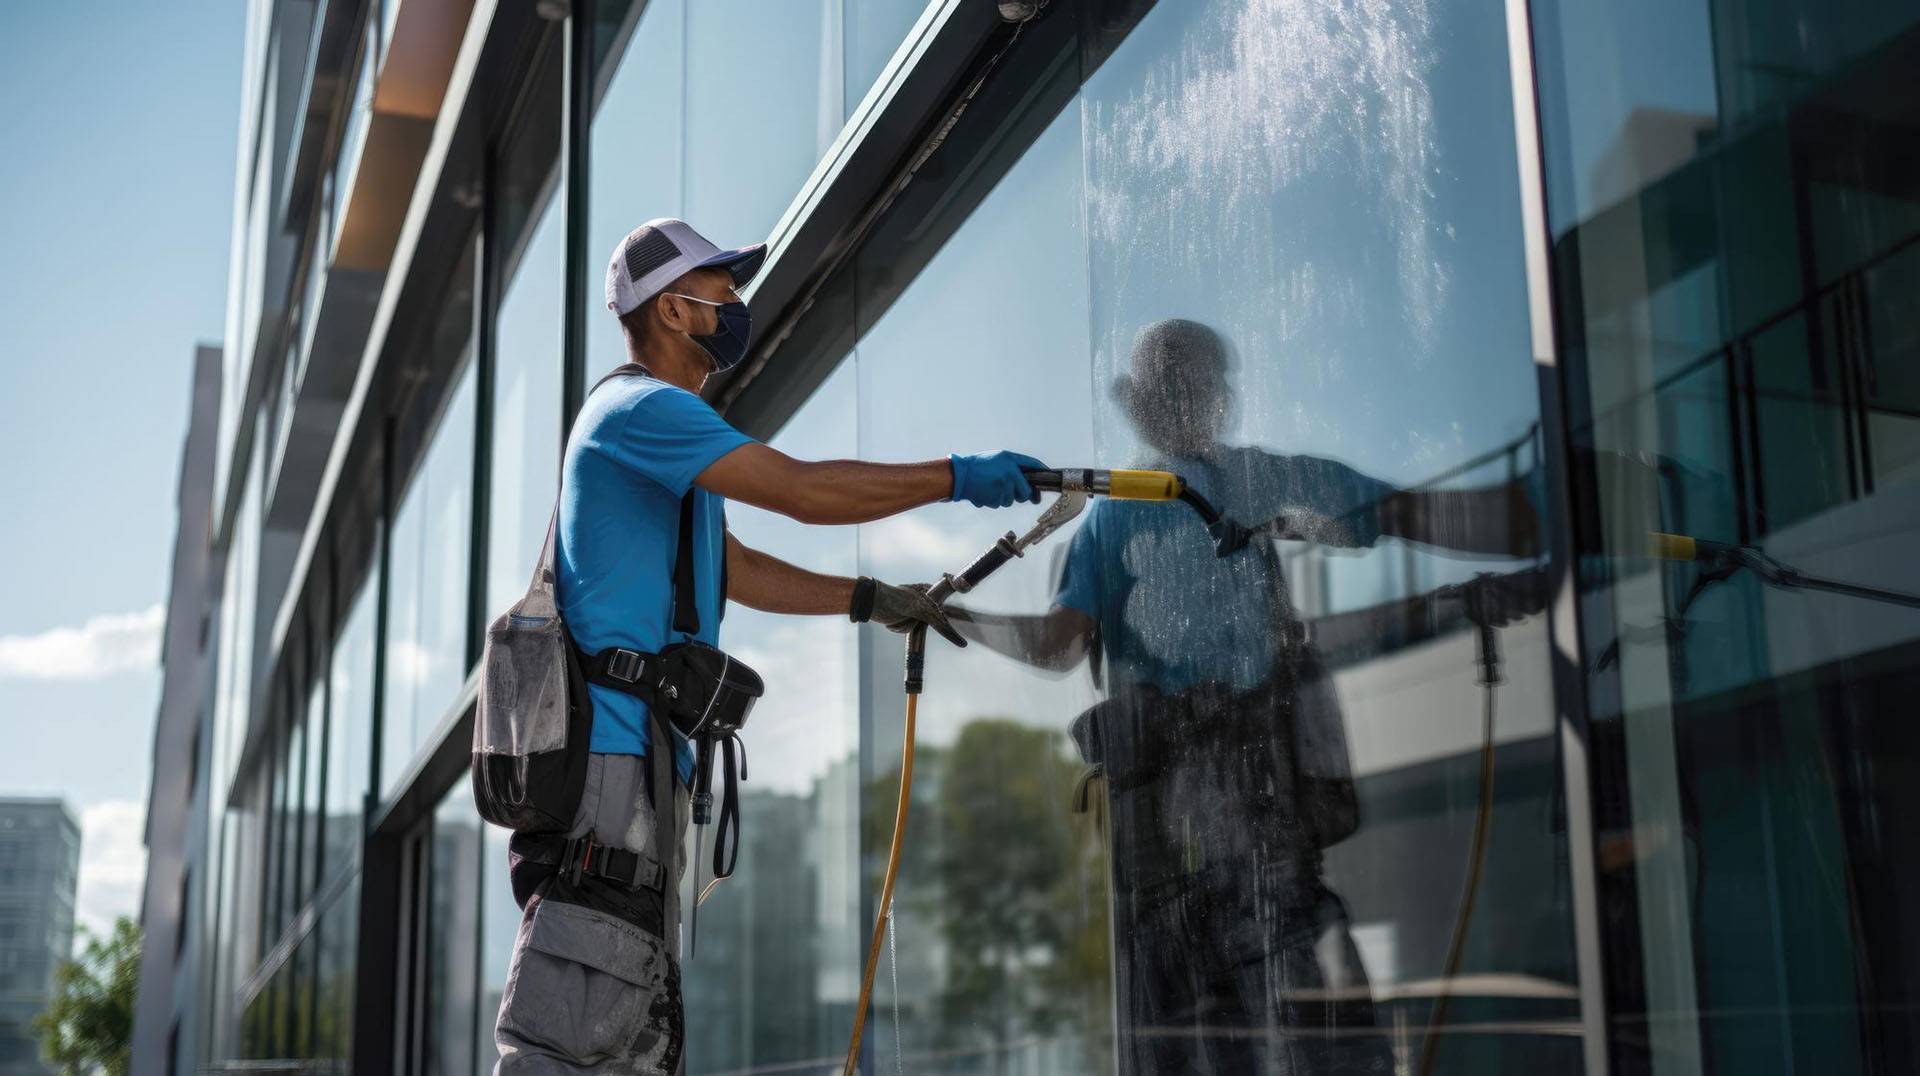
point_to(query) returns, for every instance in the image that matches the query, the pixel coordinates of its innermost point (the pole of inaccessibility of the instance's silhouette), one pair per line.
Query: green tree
(88, 1023)
(1026, 945)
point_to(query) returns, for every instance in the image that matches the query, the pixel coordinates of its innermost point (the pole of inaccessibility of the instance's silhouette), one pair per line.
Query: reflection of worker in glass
(1221, 741)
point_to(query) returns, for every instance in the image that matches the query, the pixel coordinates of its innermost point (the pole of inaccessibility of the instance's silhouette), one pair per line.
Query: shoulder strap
(625, 369)
(686, 609)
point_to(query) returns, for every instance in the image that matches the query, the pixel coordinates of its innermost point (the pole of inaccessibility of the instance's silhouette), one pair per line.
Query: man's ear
(670, 312)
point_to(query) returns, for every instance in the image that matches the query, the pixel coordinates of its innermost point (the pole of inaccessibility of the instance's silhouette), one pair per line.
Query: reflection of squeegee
(1722, 560)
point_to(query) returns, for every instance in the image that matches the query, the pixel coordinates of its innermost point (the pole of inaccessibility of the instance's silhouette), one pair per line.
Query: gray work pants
(593, 988)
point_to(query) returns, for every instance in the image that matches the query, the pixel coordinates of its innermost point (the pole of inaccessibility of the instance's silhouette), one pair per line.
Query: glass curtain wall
(677, 132)
(777, 969)
(1174, 812)
(452, 910)
(1735, 226)
(527, 246)
(427, 597)
(350, 729)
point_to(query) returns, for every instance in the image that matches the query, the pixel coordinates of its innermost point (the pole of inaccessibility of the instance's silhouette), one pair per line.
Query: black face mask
(727, 343)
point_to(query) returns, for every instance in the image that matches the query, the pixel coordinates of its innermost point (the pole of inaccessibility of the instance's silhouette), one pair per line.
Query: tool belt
(705, 695)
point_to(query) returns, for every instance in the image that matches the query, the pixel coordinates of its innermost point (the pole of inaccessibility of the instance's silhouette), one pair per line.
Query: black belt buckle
(625, 665)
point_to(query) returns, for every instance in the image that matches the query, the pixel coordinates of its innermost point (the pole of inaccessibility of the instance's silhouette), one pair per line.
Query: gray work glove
(900, 609)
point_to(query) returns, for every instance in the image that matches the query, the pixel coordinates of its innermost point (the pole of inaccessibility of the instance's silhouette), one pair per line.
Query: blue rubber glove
(993, 480)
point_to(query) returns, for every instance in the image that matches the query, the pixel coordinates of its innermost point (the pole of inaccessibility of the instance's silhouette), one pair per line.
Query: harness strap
(630, 672)
(578, 857)
(686, 609)
(726, 837)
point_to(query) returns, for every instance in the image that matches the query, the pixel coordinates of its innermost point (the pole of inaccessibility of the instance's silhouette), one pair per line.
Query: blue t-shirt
(633, 454)
(1173, 615)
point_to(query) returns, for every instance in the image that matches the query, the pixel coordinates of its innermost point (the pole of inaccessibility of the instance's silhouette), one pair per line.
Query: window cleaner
(1073, 488)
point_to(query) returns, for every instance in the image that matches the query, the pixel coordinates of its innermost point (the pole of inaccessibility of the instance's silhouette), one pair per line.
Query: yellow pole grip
(1143, 485)
(1671, 546)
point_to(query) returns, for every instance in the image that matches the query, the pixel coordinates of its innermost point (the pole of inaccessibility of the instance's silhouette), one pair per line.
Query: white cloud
(409, 663)
(113, 862)
(910, 546)
(103, 646)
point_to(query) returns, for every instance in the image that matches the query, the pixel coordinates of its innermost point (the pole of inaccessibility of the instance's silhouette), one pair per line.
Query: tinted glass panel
(499, 922)
(1174, 812)
(1736, 236)
(634, 162)
(785, 930)
(313, 816)
(452, 933)
(874, 31)
(335, 986)
(350, 730)
(427, 623)
(763, 109)
(526, 414)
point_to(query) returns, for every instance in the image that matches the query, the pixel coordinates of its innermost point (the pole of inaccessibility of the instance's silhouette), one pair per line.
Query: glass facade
(451, 979)
(1548, 723)
(427, 590)
(1735, 254)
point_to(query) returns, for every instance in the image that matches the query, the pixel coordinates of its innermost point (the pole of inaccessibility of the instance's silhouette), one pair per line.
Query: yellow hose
(886, 892)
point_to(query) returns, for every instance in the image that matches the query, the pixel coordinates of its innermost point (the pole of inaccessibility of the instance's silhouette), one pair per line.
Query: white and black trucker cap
(660, 251)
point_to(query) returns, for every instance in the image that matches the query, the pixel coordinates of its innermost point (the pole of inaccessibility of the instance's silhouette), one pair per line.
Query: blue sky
(116, 186)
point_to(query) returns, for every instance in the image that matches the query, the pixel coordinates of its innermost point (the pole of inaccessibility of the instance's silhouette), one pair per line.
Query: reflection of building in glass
(39, 866)
(1684, 308)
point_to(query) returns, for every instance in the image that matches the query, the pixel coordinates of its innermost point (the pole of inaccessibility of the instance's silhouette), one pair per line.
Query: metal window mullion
(486, 304)
(575, 143)
(1565, 644)
(382, 624)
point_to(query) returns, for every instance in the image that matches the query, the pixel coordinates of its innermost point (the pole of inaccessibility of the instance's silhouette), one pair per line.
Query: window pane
(403, 661)
(875, 29)
(785, 930)
(350, 730)
(453, 909)
(526, 413)
(313, 810)
(764, 111)
(1734, 266)
(292, 824)
(1292, 738)
(1000, 922)
(339, 959)
(634, 162)
(427, 622)
(499, 923)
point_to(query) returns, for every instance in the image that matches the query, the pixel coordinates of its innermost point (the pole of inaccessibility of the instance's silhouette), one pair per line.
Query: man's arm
(854, 491)
(1495, 519)
(771, 585)
(1056, 641)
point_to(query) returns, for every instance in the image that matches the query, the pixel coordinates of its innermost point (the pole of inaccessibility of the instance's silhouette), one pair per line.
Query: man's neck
(673, 366)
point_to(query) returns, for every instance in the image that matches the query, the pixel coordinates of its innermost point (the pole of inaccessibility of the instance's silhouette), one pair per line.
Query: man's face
(699, 319)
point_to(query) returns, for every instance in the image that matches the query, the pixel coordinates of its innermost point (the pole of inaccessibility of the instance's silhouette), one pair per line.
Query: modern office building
(39, 869)
(179, 801)
(1545, 280)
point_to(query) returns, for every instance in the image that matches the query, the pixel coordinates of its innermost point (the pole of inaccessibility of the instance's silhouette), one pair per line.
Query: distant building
(39, 865)
(177, 797)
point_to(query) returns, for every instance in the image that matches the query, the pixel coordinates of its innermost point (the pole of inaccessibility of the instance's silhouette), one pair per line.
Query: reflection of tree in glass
(1019, 895)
